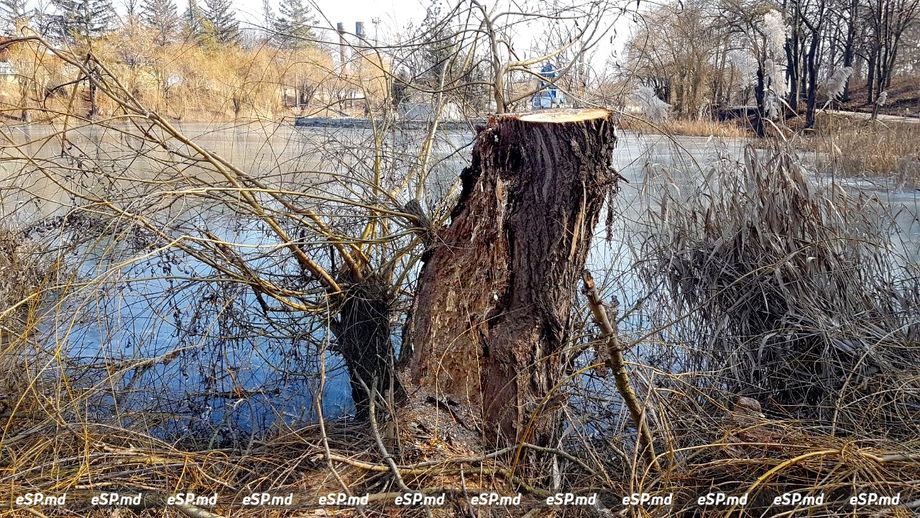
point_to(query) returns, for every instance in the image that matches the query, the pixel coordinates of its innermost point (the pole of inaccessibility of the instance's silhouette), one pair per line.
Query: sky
(394, 15)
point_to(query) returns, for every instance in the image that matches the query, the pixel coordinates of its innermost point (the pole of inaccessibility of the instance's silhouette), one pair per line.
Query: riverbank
(849, 144)
(365, 123)
(784, 284)
(857, 146)
(846, 143)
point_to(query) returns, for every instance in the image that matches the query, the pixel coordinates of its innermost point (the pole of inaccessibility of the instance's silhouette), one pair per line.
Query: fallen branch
(617, 363)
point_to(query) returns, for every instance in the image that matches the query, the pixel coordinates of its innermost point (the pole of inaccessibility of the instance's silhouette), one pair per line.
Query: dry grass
(790, 294)
(778, 290)
(794, 291)
(686, 127)
(861, 147)
(728, 448)
(903, 96)
(763, 284)
(21, 277)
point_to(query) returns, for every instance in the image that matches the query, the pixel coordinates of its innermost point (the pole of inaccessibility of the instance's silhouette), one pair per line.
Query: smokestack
(359, 36)
(340, 27)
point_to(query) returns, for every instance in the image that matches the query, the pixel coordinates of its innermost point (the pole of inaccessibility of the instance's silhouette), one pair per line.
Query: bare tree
(887, 21)
(677, 51)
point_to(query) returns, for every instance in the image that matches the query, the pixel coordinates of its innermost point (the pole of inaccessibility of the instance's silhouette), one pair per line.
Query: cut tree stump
(491, 313)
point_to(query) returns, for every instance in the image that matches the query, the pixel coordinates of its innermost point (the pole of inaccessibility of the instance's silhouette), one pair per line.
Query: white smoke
(745, 64)
(778, 82)
(777, 88)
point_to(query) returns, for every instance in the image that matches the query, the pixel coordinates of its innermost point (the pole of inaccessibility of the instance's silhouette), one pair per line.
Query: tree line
(200, 64)
(784, 56)
(80, 21)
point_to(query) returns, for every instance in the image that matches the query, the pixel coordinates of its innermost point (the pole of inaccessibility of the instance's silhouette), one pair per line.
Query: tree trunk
(870, 80)
(793, 65)
(93, 91)
(849, 49)
(93, 101)
(812, 66)
(25, 114)
(892, 60)
(792, 76)
(364, 339)
(491, 315)
(760, 95)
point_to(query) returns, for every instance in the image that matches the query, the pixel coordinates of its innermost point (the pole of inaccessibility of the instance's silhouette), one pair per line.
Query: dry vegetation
(704, 127)
(768, 340)
(861, 147)
(791, 294)
(903, 96)
(767, 287)
(191, 82)
(846, 145)
(24, 275)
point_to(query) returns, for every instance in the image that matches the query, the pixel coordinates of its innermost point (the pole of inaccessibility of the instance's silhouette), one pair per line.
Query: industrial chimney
(340, 28)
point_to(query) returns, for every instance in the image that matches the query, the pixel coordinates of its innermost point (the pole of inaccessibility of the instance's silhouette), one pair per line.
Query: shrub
(792, 293)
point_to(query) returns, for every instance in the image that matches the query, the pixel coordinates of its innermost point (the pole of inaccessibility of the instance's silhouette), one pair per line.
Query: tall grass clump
(693, 127)
(792, 295)
(860, 147)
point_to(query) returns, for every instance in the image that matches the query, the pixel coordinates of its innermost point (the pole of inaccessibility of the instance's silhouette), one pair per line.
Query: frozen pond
(193, 345)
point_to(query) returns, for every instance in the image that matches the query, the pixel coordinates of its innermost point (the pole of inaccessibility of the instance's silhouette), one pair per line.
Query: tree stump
(492, 310)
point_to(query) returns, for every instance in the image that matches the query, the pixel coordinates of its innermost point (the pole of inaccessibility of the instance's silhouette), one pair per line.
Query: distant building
(548, 96)
(7, 72)
(423, 110)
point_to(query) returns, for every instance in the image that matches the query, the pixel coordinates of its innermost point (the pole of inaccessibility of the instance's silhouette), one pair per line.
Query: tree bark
(870, 80)
(491, 314)
(812, 66)
(849, 49)
(760, 96)
(793, 64)
(363, 338)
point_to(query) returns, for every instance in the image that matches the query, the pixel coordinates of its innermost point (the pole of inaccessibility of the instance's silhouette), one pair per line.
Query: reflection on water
(164, 331)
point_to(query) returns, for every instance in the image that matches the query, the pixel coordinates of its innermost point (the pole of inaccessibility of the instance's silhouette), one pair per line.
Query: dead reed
(861, 147)
(774, 288)
(699, 127)
(794, 294)
(23, 274)
(760, 283)
(779, 345)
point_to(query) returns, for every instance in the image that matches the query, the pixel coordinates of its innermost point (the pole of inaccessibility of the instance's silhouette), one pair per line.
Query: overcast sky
(393, 14)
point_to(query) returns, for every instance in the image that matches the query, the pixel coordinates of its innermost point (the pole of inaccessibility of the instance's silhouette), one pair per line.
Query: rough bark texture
(760, 95)
(363, 338)
(492, 309)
